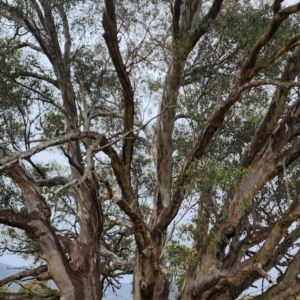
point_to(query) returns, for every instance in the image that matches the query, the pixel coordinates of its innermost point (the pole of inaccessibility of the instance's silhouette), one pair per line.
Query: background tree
(212, 174)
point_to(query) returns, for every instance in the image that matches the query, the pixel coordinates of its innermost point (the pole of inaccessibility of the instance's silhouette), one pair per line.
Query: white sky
(290, 2)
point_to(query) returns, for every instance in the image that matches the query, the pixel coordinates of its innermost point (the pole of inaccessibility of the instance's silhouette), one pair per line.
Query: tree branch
(212, 125)
(192, 28)
(58, 180)
(23, 274)
(117, 262)
(38, 76)
(264, 253)
(281, 250)
(66, 30)
(288, 156)
(276, 107)
(247, 70)
(15, 219)
(202, 26)
(19, 16)
(288, 284)
(11, 159)
(176, 19)
(110, 35)
(292, 43)
(215, 121)
(27, 44)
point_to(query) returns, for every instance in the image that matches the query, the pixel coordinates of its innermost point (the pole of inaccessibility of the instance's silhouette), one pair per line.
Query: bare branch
(15, 219)
(38, 76)
(278, 83)
(11, 159)
(58, 180)
(201, 27)
(110, 35)
(288, 284)
(66, 30)
(118, 263)
(264, 253)
(24, 274)
(276, 107)
(27, 44)
(19, 17)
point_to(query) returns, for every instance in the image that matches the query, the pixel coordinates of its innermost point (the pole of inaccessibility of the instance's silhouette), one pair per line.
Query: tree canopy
(156, 139)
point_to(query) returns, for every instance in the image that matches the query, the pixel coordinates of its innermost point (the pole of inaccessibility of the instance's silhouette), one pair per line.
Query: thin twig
(288, 195)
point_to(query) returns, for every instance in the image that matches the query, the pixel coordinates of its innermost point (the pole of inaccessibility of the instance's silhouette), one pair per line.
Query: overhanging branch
(15, 219)
(57, 180)
(27, 273)
(9, 160)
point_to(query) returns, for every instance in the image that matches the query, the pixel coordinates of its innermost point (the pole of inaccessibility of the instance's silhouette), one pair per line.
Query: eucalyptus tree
(216, 163)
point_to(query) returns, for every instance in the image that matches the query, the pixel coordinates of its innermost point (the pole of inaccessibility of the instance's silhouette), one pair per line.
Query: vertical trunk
(91, 287)
(201, 276)
(85, 289)
(151, 279)
(160, 279)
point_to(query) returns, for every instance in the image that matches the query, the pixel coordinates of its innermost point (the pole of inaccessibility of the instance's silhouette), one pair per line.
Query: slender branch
(281, 84)
(192, 29)
(117, 261)
(202, 26)
(248, 70)
(39, 12)
(24, 274)
(57, 180)
(38, 76)
(281, 250)
(287, 189)
(19, 16)
(49, 26)
(288, 156)
(27, 44)
(11, 159)
(276, 107)
(292, 43)
(288, 285)
(110, 35)
(215, 121)
(66, 31)
(88, 168)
